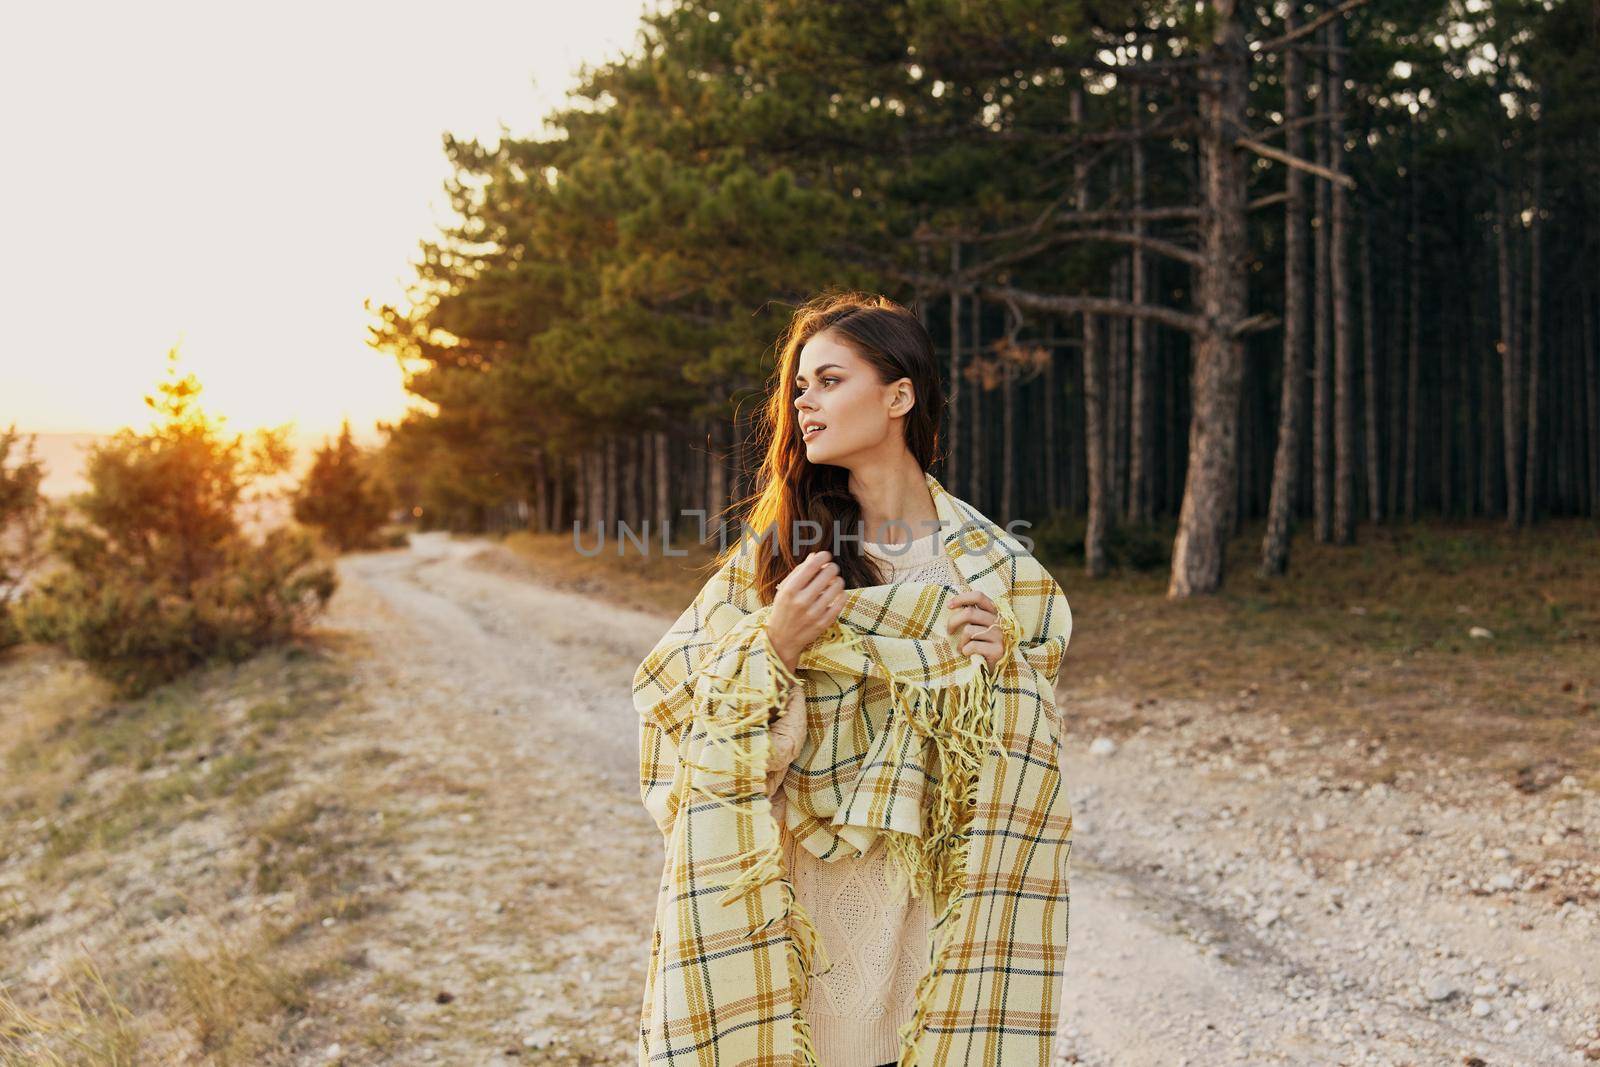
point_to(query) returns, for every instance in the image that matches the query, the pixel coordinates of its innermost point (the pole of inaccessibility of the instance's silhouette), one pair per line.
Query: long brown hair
(789, 487)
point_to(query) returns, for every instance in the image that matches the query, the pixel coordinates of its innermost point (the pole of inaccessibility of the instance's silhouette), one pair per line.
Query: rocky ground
(1241, 894)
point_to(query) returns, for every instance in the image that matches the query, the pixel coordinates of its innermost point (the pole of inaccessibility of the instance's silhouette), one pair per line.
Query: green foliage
(630, 271)
(23, 510)
(339, 496)
(1137, 547)
(157, 575)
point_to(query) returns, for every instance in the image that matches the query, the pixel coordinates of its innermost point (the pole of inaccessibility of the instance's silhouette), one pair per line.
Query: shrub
(23, 511)
(156, 574)
(340, 498)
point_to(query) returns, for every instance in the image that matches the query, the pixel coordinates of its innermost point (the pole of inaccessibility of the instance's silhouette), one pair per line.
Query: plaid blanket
(951, 762)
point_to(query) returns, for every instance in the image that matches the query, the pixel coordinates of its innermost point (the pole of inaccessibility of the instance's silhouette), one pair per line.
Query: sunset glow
(237, 182)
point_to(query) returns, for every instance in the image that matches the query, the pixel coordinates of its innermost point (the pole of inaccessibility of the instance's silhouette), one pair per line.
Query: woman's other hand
(974, 626)
(788, 736)
(806, 602)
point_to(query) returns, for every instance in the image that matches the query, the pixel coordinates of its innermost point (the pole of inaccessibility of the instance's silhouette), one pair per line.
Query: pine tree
(158, 575)
(23, 509)
(340, 498)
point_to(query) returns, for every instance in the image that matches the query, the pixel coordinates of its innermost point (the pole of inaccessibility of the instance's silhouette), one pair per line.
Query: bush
(139, 634)
(340, 498)
(23, 510)
(156, 575)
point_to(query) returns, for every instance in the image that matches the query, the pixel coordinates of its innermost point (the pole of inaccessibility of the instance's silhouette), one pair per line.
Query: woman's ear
(904, 398)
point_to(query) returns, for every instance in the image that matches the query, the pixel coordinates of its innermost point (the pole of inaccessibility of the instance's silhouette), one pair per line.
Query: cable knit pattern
(875, 939)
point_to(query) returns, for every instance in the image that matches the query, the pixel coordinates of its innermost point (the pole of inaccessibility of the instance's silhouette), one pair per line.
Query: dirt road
(1239, 897)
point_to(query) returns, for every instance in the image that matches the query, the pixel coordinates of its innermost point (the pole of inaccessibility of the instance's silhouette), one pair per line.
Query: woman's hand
(806, 602)
(974, 626)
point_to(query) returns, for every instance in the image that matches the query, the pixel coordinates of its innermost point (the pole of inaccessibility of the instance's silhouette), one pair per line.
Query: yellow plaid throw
(952, 763)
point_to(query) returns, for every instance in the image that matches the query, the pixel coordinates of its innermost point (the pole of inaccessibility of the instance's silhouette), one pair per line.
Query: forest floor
(417, 839)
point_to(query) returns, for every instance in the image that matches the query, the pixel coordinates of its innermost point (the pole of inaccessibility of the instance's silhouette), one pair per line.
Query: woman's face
(839, 391)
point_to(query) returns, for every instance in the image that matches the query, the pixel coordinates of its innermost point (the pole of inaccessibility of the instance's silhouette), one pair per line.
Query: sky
(236, 180)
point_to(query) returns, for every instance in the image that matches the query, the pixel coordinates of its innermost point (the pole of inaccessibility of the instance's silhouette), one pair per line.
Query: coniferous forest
(1271, 330)
(1298, 265)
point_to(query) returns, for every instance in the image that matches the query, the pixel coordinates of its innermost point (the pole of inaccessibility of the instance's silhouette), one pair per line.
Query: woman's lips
(811, 434)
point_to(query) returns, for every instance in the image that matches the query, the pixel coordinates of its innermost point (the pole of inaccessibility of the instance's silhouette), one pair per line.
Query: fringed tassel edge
(804, 948)
(748, 749)
(960, 722)
(922, 998)
(968, 733)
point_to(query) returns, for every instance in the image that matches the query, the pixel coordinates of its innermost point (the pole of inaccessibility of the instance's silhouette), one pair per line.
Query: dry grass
(87, 1023)
(233, 997)
(99, 771)
(650, 581)
(1376, 640)
(1371, 640)
(194, 825)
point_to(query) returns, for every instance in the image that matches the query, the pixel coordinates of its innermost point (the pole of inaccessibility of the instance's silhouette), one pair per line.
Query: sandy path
(528, 867)
(1229, 906)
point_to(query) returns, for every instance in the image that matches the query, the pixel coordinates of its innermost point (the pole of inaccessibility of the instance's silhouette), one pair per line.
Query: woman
(851, 750)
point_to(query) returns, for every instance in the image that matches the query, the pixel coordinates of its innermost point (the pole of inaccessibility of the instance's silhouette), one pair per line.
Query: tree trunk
(1486, 422)
(1236, 502)
(1118, 352)
(593, 501)
(1563, 390)
(1094, 400)
(663, 483)
(1138, 340)
(558, 494)
(1535, 335)
(953, 467)
(1414, 339)
(700, 463)
(1397, 366)
(1447, 417)
(1177, 415)
(1094, 538)
(612, 484)
(1321, 444)
(1373, 407)
(1344, 445)
(717, 482)
(1473, 401)
(578, 468)
(1591, 362)
(541, 494)
(1077, 430)
(1052, 458)
(632, 463)
(1198, 554)
(1510, 373)
(1008, 432)
(978, 490)
(1291, 398)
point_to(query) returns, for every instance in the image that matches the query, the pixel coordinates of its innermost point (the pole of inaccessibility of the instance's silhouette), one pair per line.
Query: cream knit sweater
(875, 940)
